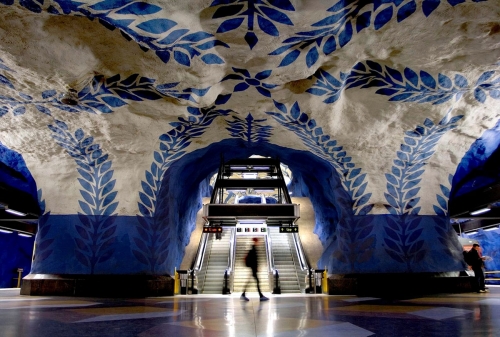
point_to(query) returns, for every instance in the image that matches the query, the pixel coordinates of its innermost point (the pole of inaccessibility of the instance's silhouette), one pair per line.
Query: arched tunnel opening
(188, 181)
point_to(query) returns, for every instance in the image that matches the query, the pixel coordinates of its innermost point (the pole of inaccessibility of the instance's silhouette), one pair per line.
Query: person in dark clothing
(251, 261)
(476, 261)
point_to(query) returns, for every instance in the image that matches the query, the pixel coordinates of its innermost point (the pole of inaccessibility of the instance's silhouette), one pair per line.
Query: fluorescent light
(491, 229)
(481, 211)
(6, 231)
(249, 175)
(264, 190)
(252, 221)
(24, 235)
(470, 233)
(11, 211)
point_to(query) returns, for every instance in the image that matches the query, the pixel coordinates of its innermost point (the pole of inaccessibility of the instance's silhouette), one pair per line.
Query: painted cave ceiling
(401, 98)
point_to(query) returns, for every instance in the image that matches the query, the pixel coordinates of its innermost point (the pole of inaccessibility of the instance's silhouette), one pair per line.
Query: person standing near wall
(251, 261)
(476, 261)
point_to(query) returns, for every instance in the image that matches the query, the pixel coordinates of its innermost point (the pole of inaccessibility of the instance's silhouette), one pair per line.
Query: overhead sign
(213, 229)
(294, 229)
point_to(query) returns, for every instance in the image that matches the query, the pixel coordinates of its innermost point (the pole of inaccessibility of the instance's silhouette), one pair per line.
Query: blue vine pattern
(442, 227)
(403, 242)
(415, 152)
(106, 94)
(245, 80)
(405, 86)
(43, 244)
(102, 95)
(137, 21)
(249, 130)
(265, 12)
(442, 207)
(153, 237)
(96, 231)
(349, 17)
(324, 147)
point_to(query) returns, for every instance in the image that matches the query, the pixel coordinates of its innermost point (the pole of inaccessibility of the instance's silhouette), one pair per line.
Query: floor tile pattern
(304, 315)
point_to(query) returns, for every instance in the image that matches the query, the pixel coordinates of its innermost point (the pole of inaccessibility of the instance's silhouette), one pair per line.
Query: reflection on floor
(469, 314)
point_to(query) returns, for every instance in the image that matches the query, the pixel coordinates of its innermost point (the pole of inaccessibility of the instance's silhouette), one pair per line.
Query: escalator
(250, 199)
(286, 262)
(215, 262)
(242, 273)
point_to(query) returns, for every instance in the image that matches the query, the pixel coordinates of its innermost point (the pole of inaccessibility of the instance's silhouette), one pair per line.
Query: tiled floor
(454, 315)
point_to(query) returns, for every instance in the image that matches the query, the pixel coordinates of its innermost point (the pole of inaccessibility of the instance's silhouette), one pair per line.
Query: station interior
(147, 146)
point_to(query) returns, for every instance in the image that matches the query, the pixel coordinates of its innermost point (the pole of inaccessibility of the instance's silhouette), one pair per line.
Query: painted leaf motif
(157, 26)
(363, 21)
(427, 79)
(276, 16)
(406, 10)
(211, 59)
(346, 35)
(383, 17)
(428, 6)
(139, 8)
(230, 25)
(311, 57)
(289, 58)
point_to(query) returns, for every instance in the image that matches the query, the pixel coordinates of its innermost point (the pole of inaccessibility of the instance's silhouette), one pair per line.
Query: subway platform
(465, 314)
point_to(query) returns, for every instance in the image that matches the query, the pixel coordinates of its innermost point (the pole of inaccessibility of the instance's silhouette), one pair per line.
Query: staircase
(242, 273)
(292, 278)
(211, 276)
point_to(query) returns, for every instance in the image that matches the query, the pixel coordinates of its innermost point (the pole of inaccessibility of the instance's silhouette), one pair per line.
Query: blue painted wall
(155, 245)
(15, 252)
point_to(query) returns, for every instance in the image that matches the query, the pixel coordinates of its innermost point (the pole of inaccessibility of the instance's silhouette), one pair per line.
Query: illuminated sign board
(293, 229)
(214, 229)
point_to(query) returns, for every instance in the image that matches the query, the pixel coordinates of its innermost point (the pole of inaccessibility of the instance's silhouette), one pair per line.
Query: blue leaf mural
(403, 182)
(442, 206)
(96, 233)
(266, 13)
(245, 80)
(249, 130)
(102, 95)
(137, 21)
(323, 146)
(153, 233)
(345, 18)
(43, 243)
(404, 86)
(403, 240)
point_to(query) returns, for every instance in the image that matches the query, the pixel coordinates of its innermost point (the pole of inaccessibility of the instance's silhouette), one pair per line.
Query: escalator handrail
(269, 251)
(200, 253)
(304, 264)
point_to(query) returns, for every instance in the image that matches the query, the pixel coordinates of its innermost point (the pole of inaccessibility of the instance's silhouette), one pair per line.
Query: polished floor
(468, 314)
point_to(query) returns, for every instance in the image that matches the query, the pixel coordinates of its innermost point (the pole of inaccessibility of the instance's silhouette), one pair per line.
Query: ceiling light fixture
(25, 235)
(6, 231)
(481, 211)
(11, 211)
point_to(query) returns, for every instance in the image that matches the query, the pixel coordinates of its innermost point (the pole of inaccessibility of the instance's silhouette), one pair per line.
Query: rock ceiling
(380, 90)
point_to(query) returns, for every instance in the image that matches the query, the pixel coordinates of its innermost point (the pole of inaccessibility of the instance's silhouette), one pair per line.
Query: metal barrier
(277, 285)
(318, 276)
(493, 272)
(183, 276)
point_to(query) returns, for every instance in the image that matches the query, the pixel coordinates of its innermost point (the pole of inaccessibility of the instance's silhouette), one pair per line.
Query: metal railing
(197, 262)
(228, 273)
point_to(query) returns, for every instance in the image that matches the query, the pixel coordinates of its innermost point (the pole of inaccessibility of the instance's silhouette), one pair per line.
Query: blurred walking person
(251, 261)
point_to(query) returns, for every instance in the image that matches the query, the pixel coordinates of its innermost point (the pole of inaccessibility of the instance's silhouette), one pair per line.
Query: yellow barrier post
(177, 283)
(19, 276)
(324, 282)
